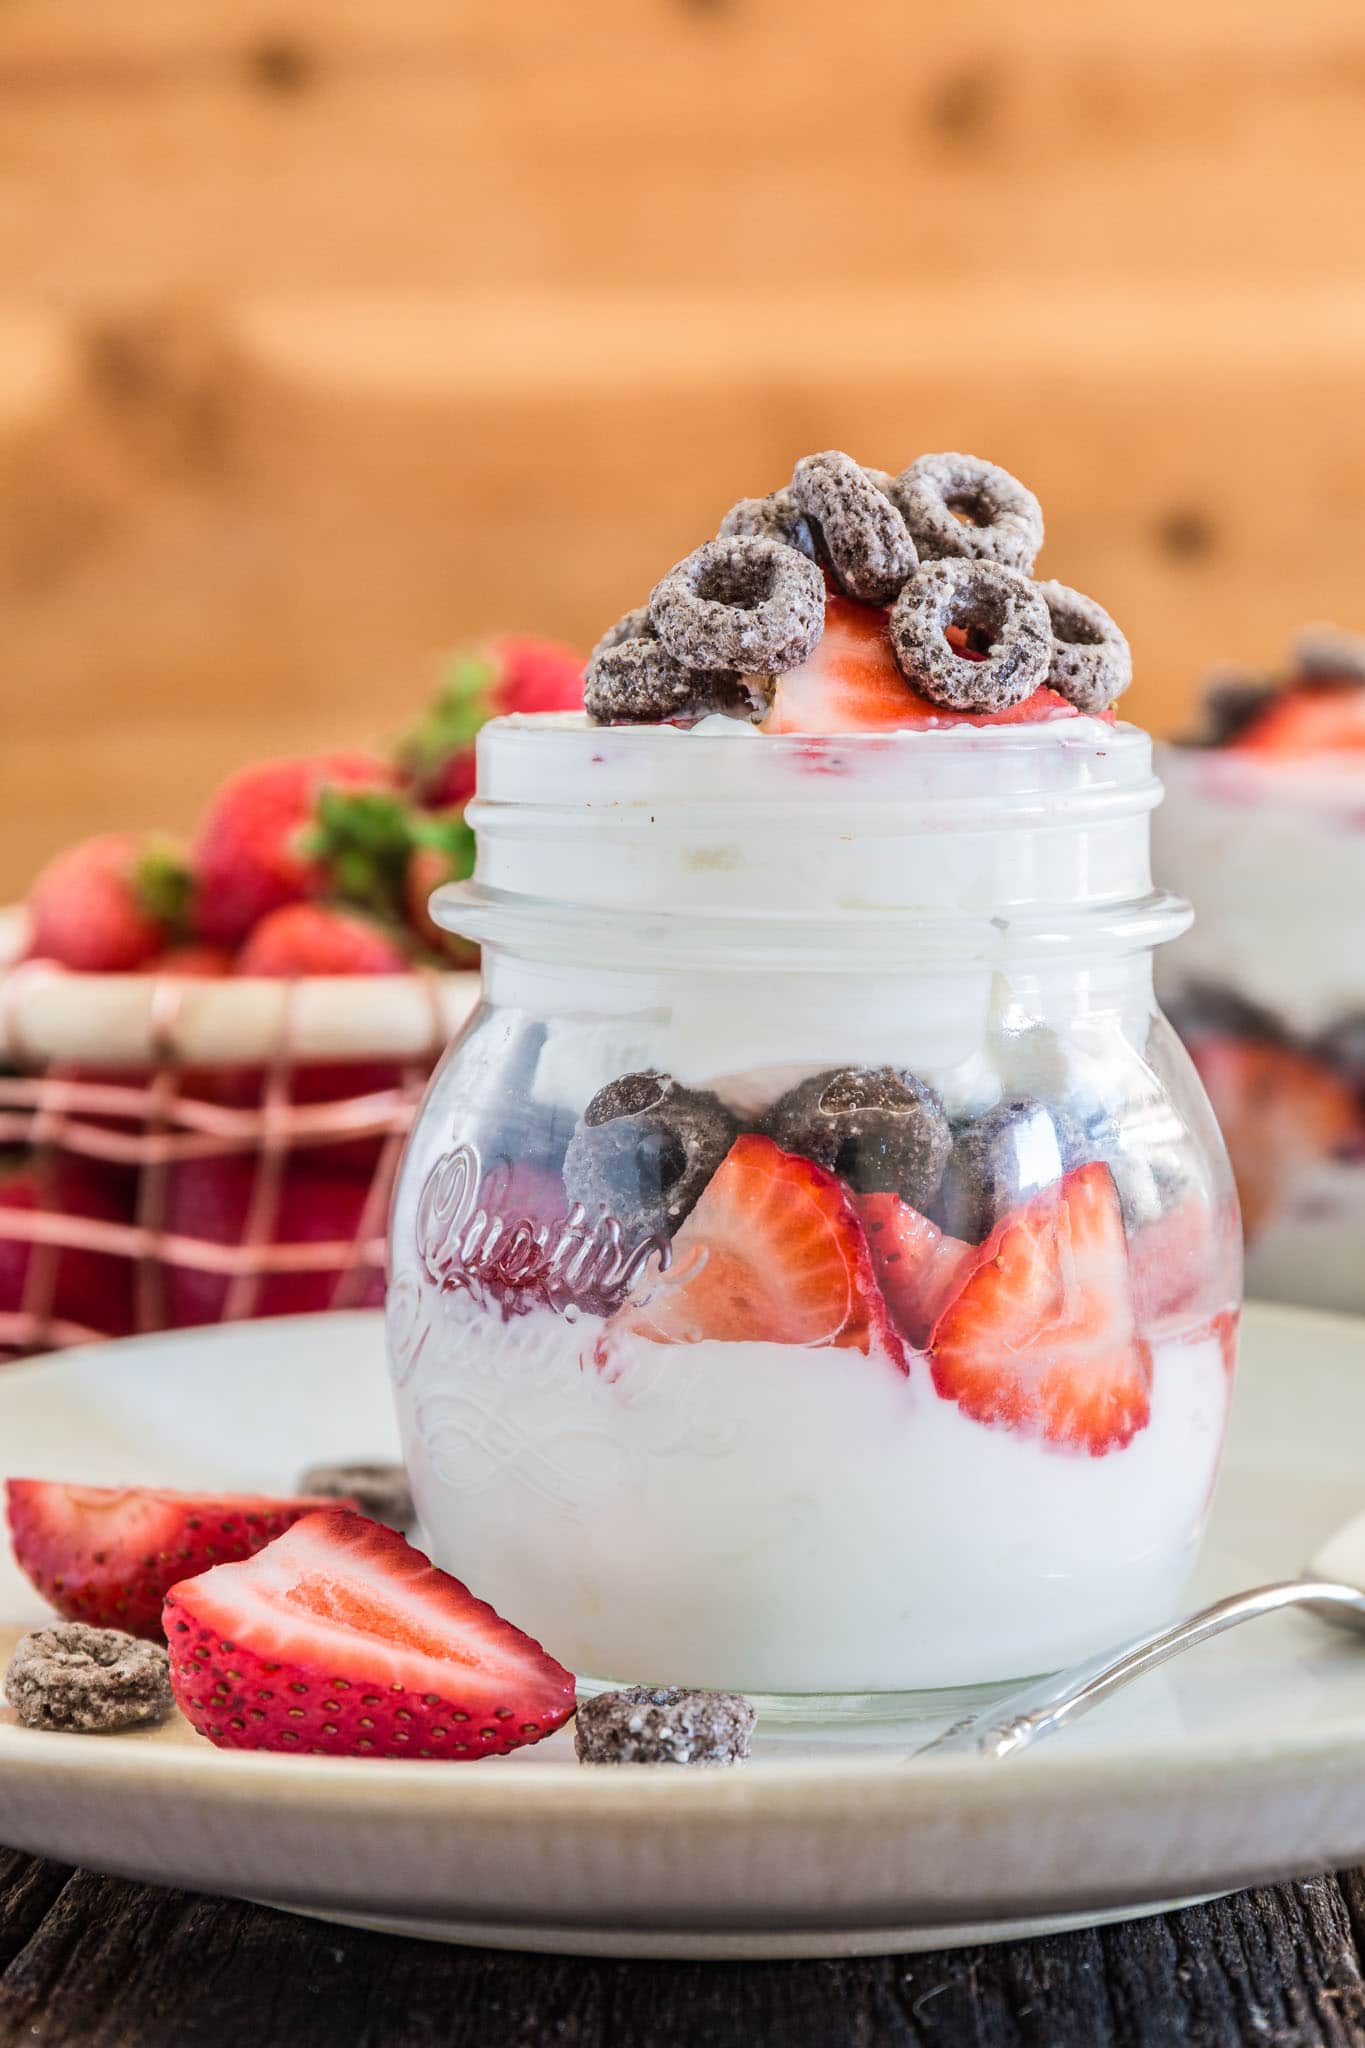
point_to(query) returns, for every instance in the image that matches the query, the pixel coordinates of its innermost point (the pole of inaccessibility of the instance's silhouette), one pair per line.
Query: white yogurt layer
(781, 1520)
(1273, 858)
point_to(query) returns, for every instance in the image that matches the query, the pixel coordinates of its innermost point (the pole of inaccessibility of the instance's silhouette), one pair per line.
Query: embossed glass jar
(799, 1433)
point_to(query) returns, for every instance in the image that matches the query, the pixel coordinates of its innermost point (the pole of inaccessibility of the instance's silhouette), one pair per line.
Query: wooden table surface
(91, 1962)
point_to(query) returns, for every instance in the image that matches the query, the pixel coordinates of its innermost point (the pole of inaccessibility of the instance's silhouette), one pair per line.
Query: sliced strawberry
(773, 1253)
(343, 1640)
(1187, 1260)
(1306, 723)
(1042, 1337)
(851, 684)
(919, 1269)
(107, 1554)
(1280, 1112)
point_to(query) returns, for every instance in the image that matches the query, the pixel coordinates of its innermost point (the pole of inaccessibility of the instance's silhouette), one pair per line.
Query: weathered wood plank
(720, 143)
(87, 1962)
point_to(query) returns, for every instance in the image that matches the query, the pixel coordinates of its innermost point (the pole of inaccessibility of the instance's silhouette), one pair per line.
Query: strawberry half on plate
(342, 1640)
(773, 1253)
(1042, 1337)
(106, 1555)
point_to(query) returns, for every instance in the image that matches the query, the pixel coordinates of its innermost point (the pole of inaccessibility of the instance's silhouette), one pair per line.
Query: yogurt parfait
(1266, 820)
(816, 1269)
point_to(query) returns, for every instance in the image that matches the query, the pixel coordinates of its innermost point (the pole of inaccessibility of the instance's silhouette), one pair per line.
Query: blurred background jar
(1264, 821)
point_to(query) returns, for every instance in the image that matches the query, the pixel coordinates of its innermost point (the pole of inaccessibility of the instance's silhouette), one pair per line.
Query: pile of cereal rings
(948, 545)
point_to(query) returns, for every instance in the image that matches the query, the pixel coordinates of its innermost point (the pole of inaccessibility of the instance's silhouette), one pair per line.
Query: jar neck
(657, 848)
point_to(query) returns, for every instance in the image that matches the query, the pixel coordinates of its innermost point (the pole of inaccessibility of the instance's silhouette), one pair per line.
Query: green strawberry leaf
(163, 885)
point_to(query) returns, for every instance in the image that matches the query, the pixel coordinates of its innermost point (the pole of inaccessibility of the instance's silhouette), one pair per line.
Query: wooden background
(332, 331)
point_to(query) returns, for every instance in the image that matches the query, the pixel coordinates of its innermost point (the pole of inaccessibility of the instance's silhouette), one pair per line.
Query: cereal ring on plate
(379, 1491)
(859, 529)
(632, 679)
(1091, 661)
(1001, 519)
(644, 1149)
(1004, 619)
(776, 517)
(87, 1680)
(664, 1724)
(743, 603)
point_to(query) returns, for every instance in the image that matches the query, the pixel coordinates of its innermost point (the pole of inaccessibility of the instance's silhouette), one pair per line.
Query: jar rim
(933, 847)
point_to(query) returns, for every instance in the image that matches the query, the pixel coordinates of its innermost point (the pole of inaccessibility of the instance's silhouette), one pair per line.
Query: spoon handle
(1011, 1724)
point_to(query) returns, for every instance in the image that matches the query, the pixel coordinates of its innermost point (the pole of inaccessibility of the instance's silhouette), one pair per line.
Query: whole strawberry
(109, 904)
(209, 1202)
(321, 938)
(516, 672)
(91, 1289)
(256, 850)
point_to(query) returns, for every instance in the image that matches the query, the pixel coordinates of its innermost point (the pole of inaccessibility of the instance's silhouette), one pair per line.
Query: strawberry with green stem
(258, 848)
(517, 672)
(110, 904)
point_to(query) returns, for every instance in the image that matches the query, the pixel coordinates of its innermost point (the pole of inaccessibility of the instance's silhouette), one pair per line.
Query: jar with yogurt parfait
(1265, 817)
(815, 1271)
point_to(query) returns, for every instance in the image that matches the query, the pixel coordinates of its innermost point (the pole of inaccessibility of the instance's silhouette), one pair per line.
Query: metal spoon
(1007, 1726)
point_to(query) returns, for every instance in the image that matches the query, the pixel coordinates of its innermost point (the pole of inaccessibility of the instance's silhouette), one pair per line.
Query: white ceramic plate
(1244, 1762)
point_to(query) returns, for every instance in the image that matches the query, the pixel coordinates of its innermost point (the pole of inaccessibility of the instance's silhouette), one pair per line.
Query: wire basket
(180, 1151)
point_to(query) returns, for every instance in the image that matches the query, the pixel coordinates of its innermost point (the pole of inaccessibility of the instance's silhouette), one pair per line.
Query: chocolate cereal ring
(644, 1149)
(90, 1681)
(1002, 616)
(632, 679)
(745, 603)
(379, 1491)
(664, 1724)
(635, 625)
(1000, 519)
(859, 530)
(776, 517)
(1091, 661)
(879, 1128)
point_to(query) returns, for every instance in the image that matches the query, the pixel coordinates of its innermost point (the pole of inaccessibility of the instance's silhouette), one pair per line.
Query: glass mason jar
(1269, 995)
(815, 1270)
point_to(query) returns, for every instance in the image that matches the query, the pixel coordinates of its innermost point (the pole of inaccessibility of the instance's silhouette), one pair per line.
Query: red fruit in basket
(342, 1640)
(1280, 1112)
(89, 1289)
(109, 904)
(253, 852)
(515, 673)
(108, 1555)
(320, 938)
(1304, 724)
(210, 1201)
(1042, 1336)
(851, 684)
(191, 963)
(773, 1253)
(918, 1266)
